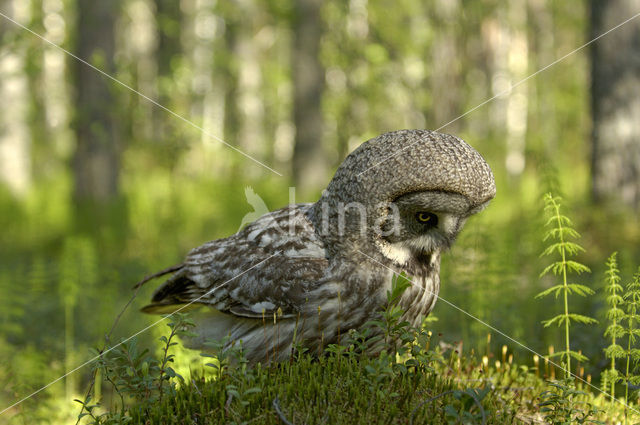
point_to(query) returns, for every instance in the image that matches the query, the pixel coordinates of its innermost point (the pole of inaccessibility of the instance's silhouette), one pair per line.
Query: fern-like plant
(615, 331)
(631, 319)
(559, 234)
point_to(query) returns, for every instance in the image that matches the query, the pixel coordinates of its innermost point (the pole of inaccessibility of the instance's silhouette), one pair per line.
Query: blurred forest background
(99, 186)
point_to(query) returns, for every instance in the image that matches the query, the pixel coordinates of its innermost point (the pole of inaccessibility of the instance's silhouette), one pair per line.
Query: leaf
(572, 248)
(559, 319)
(582, 319)
(578, 356)
(614, 351)
(555, 268)
(554, 289)
(557, 219)
(557, 354)
(581, 290)
(614, 301)
(399, 284)
(614, 331)
(555, 247)
(577, 267)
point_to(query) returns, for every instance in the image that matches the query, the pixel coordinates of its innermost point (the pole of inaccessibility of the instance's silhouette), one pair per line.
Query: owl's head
(420, 223)
(404, 194)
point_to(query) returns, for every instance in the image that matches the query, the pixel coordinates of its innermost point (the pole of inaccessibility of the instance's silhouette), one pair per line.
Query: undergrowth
(413, 381)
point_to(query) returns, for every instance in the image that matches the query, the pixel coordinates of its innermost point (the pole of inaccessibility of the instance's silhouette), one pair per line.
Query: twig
(126, 306)
(158, 274)
(276, 406)
(429, 400)
(227, 404)
(193, 382)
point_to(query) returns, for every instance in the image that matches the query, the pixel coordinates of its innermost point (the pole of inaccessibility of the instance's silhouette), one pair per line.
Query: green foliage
(563, 404)
(419, 386)
(392, 317)
(632, 332)
(614, 331)
(136, 376)
(558, 235)
(466, 406)
(224, 354)
(236, 393)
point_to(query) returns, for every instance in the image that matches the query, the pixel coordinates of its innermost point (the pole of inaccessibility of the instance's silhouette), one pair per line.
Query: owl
(308, 273)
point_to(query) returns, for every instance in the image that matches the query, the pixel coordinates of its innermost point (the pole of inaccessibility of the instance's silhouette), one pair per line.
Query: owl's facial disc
(419, 224)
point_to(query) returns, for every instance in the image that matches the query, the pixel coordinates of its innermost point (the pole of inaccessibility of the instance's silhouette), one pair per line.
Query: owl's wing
(269, 265)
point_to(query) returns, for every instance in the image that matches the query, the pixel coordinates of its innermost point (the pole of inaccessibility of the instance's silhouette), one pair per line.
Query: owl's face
(421, 223)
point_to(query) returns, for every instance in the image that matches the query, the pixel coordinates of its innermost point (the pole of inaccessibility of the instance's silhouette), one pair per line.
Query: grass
(438, 386)
(418, 381)
(335, 389)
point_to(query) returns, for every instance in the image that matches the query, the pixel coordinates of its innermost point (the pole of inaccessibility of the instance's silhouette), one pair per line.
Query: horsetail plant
(632, 318)
(615, 331)
(559, 233)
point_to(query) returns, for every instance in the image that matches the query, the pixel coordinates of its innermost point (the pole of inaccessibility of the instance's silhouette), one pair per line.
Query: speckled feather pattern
(318, 285)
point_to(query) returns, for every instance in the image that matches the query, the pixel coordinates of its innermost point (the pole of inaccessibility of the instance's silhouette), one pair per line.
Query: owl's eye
(425, 217)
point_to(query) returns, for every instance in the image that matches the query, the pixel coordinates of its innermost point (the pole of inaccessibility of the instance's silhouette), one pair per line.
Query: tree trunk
(96, 161)
(169, 29)
(445, 65)
(169, 23)
(41, 146)
(231, 112)
(615, 101)
(309, 159)
(15, 142)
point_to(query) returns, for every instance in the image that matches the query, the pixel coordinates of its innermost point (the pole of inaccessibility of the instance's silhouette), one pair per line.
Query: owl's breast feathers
(273, 263)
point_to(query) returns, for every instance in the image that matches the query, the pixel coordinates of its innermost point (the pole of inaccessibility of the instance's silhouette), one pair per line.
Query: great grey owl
(314, 271)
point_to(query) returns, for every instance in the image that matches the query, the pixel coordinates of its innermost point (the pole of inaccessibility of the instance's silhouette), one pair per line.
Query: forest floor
(416, 383)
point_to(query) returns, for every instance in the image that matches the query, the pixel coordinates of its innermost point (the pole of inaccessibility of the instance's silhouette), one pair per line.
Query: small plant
(136, 375)
(391, 321)
(226, 355)
(396, 329)
(615, 331)
(632, 318)
(559, 405)
(559, 233)
(179, 326)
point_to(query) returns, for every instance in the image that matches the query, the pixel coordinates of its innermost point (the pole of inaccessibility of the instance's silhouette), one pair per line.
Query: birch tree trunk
(15, 142)
(615, 101)
(96, 161)
(309, 158)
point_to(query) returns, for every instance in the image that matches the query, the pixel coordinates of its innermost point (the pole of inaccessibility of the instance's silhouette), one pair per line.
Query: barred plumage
(324, 268)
